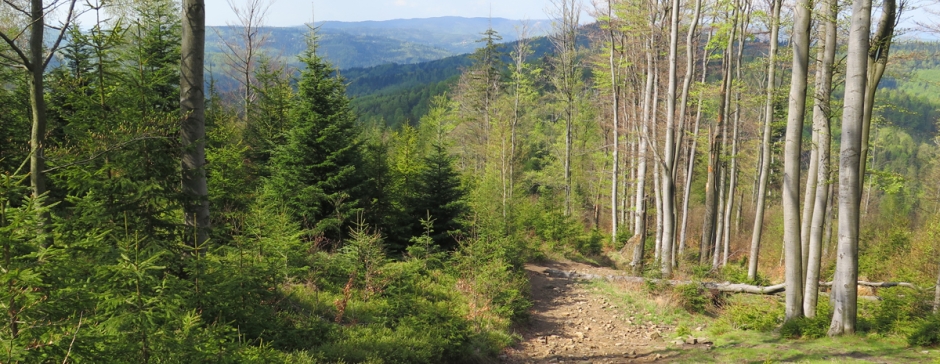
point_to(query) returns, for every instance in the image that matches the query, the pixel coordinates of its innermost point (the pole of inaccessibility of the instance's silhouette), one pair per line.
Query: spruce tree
(317, 174)
(440, 198)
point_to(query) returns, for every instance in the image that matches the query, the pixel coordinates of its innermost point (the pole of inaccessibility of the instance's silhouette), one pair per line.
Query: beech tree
(844, 294)
(791, 175)
(765, 142)
(34, 58)
(821, 130)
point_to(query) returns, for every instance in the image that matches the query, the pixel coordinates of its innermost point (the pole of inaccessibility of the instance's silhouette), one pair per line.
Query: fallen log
(878, 284)
(718, 286)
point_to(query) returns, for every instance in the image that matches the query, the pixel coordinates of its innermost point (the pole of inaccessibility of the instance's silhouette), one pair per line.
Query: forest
(154, 209)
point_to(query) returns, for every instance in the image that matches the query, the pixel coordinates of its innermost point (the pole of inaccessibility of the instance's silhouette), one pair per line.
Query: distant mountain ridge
(371, 43)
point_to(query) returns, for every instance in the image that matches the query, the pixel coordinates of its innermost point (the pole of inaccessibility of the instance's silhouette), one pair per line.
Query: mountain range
(371, 43)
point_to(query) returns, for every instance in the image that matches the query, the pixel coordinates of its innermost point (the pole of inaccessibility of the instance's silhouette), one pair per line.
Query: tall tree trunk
(765, 144)
(643, 139)
(669, 149)
(193, 111)
(791, 163)
(821, 127)
(844, 289)
(691, 159)
(615, 95)
(827, 228)
(733, 160)
(37, 101)
(657, 165)
(716, 171)
(878, 51)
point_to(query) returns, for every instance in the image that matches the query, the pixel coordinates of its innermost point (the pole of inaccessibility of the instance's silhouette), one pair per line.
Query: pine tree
(440, 198)
(317, 173)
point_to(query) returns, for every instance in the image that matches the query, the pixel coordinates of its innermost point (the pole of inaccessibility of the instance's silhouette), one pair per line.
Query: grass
(735, 345)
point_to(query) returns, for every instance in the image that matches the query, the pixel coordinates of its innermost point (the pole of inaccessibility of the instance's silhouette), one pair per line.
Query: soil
(571, 323)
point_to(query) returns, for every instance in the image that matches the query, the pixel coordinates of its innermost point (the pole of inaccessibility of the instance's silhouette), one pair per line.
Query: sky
(297, 12)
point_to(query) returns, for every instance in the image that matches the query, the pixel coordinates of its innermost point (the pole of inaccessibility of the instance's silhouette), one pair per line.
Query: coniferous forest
(762, 169)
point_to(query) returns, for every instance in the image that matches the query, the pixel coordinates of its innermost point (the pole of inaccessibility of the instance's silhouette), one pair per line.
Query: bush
(761, 314)
(691, 297)
(926, 332)
(738, 274)
(805, 327)
(898, 310)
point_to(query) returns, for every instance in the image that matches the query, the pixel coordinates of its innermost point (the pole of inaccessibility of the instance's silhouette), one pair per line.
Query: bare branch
(65, 26)
(15, 7)
(24, 60)
(105, 151)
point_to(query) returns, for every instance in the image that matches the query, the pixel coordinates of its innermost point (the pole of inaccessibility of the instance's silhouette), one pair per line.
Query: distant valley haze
(298, 12)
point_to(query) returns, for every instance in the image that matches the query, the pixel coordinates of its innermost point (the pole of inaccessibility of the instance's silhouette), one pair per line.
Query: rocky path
(572, 324)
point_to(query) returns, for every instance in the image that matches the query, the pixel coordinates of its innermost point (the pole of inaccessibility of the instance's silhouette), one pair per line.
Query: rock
(691, 341)
(678, 342)
(704, 341)
(579, 335)
(700, 328)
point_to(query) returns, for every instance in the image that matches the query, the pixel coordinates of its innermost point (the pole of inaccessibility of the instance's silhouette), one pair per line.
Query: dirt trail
(572, 324)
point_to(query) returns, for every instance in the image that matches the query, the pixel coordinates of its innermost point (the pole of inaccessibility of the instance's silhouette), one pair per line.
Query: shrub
(691, 297)
(898, 310)
(926, 332)
(761, 314)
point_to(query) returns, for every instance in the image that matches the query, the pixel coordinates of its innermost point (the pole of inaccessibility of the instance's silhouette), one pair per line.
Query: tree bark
(691, 159)
(878, 51)
(821, 127)
(638, 222)
(792, 149)
(193, 126)
(844, 290)
(615, 94)
(669, 150)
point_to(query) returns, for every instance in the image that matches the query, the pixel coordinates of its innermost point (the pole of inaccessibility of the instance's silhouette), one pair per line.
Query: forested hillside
(151, 212)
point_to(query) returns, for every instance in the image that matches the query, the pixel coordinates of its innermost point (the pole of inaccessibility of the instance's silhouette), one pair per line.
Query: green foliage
(753, 313)
(926, 332)
(738, 274)
(321, 162)
(809, 328)
(440, 197)
(691, 297)
(899, 310)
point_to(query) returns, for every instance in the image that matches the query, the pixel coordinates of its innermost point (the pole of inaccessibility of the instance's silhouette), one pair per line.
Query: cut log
(878, 284)
(718, 286)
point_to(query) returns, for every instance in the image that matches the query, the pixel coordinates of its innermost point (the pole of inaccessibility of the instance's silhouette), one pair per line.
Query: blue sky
(297, 12)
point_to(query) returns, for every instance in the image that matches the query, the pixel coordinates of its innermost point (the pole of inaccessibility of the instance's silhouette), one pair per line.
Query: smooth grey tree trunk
(638, 222)
(879, 49)
(765, 145)
(791, 162)
(808, 194)
(193, 126)
(691, 160)
(821, 127)
(615, 95)
(710, 230)
(669, 149)
(733, 160)
(844, 294)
